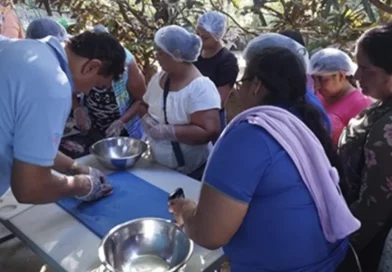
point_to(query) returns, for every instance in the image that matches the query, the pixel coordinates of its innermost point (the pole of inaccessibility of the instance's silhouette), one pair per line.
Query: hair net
(179, 43)
(332, 60)
(215, 23)
(100, 29)
(268, 40)
(40, 28)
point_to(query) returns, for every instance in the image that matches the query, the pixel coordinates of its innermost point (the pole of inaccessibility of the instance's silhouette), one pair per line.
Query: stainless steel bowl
(118, 153)
(145, 244)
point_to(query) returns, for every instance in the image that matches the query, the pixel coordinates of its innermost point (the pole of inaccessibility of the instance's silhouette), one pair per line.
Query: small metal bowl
(118, 153)
(145, 244)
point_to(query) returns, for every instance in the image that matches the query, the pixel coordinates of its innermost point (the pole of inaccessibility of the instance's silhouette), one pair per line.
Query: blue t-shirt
(312, 98)
(35, 101)
(281, 230)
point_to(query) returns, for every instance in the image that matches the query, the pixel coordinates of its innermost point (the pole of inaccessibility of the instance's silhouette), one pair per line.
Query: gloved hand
(96, 188)
(97, 174)
(163, 132)
(148, 122)
(80, 169)
(115, 129)
(83, 122)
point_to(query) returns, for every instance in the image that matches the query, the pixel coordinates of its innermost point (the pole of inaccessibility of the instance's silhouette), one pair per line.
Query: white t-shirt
(199, 95)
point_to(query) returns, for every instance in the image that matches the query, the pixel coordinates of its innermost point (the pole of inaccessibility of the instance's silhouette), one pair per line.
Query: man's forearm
(39, 187)
(58, 188)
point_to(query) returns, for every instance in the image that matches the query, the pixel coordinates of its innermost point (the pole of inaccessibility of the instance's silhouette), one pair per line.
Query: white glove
(158, 131)
(148, 122)
(97, 187)
(115, 129)
(163, 132)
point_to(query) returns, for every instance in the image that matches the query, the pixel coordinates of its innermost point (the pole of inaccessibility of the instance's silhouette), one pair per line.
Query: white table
(66, 245)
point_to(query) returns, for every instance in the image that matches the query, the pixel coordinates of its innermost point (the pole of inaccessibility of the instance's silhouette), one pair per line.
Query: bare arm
(215, 220)
(37, 185)
(11, 27)
(136, 84)
(204, 127)
(224, 92)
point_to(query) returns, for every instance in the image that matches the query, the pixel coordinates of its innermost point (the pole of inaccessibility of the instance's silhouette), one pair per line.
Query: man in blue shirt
(37, 78)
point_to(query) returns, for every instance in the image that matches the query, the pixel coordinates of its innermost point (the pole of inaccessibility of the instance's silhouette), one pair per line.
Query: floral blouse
(365, 148)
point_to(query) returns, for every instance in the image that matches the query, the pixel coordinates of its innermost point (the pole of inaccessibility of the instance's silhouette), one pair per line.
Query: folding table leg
(6, 238)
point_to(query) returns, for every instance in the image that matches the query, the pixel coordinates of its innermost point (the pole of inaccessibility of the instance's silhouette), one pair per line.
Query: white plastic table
(66, 245)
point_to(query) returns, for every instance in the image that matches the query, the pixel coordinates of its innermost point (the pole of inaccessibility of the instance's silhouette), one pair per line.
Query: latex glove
(80, 169)
(182, 208)
(162, 132)
(148, 122)
(97, 174)
(96, 187)
(82, 120)
(115, 129)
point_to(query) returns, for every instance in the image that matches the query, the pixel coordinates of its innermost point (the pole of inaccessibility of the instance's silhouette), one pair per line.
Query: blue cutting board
(132, 198)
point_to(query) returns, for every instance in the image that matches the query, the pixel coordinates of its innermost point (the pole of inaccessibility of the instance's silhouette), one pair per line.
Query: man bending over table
(37, 78)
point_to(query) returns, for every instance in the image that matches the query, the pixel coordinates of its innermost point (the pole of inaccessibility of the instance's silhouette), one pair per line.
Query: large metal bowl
(145, 244)
(118, 153)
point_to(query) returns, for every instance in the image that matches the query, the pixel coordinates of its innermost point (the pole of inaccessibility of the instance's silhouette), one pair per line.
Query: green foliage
(134, 22)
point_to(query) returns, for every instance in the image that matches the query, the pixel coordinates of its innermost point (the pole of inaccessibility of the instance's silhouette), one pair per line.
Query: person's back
(281, 230)
(33, 87)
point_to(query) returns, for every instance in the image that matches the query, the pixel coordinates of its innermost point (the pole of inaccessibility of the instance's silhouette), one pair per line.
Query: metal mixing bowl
(145, 244)
(118, 153)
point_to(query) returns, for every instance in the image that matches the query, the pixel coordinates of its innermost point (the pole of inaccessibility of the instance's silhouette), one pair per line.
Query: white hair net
(332, 60)
(214, 23)
(40, 28)
(268, 40)
(179, 43)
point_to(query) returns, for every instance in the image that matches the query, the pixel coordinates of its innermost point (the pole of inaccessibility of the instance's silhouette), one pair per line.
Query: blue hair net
(179, 43)
(330, 61)
(215, 23)
(268, 40)
(100, 28)
(40, 28)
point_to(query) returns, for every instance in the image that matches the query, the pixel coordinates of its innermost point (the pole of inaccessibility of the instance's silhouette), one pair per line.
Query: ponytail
(352, 81)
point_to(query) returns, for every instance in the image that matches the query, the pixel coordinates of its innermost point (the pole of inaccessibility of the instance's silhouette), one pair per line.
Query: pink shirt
(341, 112)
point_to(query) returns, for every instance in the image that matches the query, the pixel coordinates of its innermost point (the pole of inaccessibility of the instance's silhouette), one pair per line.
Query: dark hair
(284, 76)
(295, 35)
(376, 43)
(101, 46)
(352, 81)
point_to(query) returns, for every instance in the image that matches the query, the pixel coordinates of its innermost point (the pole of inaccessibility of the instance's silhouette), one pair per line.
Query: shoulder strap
(175, 145)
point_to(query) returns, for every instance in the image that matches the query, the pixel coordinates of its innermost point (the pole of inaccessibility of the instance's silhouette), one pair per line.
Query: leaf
(236, 3)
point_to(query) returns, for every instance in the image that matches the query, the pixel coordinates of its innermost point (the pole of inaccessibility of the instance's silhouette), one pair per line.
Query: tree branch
(234, 21)
(384, 7)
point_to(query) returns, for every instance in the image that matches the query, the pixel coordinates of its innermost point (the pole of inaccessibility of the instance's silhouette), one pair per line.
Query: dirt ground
(15, 257)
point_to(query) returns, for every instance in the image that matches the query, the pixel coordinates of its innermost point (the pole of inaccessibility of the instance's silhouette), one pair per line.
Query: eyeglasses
(238, 83)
